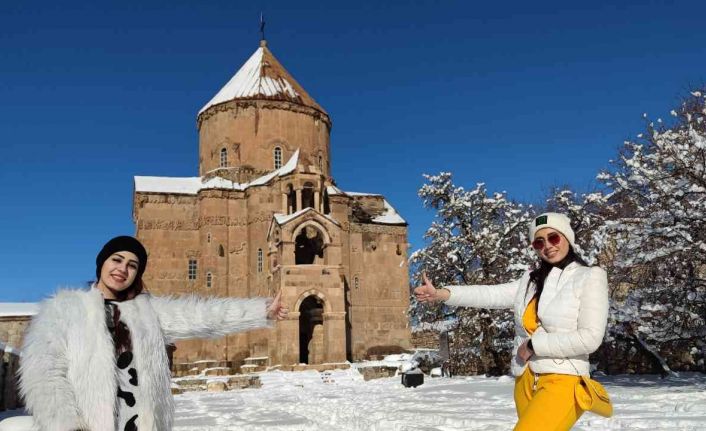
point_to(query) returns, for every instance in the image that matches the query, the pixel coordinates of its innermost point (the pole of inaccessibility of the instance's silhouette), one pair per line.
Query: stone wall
(428, 339)
(250, 131)
(11, 333)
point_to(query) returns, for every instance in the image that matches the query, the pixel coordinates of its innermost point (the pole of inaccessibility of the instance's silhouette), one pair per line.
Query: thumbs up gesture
(428, 293)
(276, 311)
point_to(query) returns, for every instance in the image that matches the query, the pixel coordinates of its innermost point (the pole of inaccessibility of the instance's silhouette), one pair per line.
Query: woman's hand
(276, 311)
(524, 351)
(428, 293)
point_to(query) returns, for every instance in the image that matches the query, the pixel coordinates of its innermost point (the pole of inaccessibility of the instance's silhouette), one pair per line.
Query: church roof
(192, 185)
(282, 219)
(12, 309)
(390, 214)
(263, 77)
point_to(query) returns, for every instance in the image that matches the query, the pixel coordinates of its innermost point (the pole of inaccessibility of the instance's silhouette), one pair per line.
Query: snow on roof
(192, 185)
(282, 218)
(390, 216)
(182, 185)
(333, 190)
(12, 309)
(361, 194)
(262, 77)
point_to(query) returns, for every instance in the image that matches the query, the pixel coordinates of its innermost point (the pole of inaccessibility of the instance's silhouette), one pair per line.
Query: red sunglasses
(553, 238)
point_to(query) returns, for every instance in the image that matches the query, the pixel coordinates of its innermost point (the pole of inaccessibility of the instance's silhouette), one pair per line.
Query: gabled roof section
(282, 219)
(388, 216)
(263, 77)
(192, 185)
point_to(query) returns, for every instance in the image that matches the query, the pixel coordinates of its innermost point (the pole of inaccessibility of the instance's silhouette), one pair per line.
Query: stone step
(218, 371)
(261, 360)
(190, 382)
(197, 368)
(216, 385)
(252, 368)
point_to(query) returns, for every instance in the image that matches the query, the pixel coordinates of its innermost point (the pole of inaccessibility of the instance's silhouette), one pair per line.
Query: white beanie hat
(556, 221)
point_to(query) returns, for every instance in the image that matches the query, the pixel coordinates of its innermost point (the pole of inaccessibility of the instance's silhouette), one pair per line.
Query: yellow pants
(551, 406)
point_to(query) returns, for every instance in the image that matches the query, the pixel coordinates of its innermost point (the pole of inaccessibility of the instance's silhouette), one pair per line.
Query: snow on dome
(262, 77)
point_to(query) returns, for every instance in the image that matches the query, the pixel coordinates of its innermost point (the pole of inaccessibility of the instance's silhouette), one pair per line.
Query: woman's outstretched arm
(200, 317)
(482, 296)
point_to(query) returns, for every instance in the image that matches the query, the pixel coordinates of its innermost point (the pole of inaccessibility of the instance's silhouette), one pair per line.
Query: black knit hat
(122, 243)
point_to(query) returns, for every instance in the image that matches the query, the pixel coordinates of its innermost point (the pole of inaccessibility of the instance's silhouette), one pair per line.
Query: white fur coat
(68, 369)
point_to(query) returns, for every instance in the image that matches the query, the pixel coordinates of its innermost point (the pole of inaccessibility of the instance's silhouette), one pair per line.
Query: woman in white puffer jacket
(561, 311)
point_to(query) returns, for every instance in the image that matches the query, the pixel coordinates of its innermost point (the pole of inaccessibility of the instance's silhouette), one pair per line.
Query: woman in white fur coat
(97, 360)
(561, 311)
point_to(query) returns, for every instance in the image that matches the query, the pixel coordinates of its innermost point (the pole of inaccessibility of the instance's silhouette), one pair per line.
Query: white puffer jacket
(573, 312)
(67, 369)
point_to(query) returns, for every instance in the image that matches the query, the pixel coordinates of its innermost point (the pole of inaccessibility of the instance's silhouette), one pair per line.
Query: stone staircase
(254, 365)
(216, 376)
(219, 376)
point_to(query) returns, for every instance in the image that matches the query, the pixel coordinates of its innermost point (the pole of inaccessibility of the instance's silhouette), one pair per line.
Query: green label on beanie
(540, 220)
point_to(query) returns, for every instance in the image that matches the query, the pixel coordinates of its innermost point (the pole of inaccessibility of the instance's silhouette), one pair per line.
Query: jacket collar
(555, 281)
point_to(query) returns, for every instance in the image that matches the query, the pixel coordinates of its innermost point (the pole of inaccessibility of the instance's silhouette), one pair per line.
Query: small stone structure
(14, 318)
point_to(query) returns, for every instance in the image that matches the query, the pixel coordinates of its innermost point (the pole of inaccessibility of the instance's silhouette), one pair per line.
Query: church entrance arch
(311, 330)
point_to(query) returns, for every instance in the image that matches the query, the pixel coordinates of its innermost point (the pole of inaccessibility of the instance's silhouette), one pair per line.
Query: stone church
(265, 215)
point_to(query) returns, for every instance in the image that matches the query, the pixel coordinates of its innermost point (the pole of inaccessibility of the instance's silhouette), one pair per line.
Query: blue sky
(519, 95)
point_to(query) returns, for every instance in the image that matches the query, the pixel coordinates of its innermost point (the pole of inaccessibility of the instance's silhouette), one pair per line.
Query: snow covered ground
(303, 401)
(342, 401)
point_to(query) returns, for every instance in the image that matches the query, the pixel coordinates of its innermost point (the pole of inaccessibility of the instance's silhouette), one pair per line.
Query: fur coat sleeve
(198, 317)
(44, 385)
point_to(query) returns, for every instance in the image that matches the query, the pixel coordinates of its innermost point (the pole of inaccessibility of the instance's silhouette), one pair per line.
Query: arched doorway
(309, 245)
(311, 334)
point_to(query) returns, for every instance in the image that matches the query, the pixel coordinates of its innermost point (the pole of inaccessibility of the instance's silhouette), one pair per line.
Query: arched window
(221, 251)
(193, 265)
(209, 280)
(291, 200)
(321, 163)
(327, 205)
(259, 260)
(308, 246)
(308, 195)
(224, 157)
(278, 157)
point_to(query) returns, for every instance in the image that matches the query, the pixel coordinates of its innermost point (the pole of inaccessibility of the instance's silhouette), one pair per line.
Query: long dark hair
(540, 274)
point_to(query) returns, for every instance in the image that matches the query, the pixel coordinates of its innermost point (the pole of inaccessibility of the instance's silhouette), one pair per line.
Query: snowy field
(302, 401)
(343, 401)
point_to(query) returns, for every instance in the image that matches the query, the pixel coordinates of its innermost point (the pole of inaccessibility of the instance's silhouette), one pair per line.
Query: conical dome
(262, 77)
